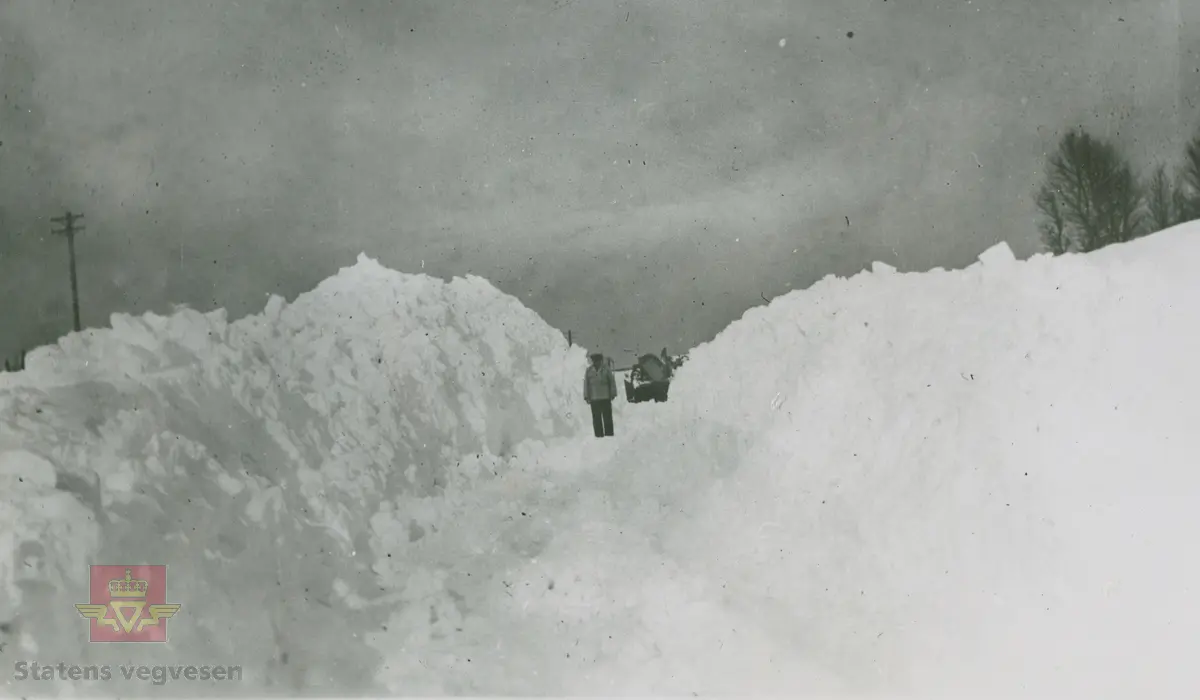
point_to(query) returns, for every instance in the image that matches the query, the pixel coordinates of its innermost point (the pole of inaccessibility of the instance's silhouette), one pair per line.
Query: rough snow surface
(978, 482)
(252, 457)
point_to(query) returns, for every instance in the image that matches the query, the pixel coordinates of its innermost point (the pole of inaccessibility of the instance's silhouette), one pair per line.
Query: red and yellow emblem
(128, 603)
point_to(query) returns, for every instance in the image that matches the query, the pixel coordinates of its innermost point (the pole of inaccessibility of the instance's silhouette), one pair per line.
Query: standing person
(599, 390)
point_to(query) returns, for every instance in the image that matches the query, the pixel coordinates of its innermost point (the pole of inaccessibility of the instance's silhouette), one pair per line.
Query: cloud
(225, 150)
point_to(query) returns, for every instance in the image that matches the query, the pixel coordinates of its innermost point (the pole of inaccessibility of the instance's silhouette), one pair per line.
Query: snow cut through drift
(956, 482)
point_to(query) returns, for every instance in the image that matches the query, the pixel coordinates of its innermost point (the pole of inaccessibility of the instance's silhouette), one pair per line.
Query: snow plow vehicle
(650, 377)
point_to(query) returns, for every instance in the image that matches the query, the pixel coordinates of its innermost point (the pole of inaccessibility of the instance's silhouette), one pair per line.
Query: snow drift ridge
(949, 481)
(258, 450)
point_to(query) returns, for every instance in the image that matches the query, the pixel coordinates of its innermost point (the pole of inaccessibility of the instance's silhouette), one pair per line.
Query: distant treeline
(1091, 198)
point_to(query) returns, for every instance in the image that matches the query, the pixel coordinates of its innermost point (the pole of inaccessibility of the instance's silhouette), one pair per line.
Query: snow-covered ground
(976, 482)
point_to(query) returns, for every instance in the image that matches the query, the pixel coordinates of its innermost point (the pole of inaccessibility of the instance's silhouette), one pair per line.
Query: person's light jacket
(599, 384)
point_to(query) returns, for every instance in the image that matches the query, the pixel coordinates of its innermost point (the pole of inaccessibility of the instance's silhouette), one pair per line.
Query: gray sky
(638, 172)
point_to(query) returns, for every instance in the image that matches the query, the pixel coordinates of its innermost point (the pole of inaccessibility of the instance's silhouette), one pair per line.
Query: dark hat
(597, 355)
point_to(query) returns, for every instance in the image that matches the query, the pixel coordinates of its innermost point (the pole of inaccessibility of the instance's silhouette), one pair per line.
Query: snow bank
(969, 481)
(250, 457)
(966, 483)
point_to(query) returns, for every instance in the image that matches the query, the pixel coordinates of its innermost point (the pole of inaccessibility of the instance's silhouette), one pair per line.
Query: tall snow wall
(250, 458)
(966, 481)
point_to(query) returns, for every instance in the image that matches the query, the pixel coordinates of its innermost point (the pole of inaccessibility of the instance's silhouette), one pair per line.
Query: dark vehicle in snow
(650, 377)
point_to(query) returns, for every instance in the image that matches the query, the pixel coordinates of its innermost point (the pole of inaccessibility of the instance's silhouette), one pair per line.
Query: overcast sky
(638, 172)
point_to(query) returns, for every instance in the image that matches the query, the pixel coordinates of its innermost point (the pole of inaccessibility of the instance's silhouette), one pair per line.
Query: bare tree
(1162, 201)
(1096, 191)
(1189, 182)
(1054, 225)
(1185, 208)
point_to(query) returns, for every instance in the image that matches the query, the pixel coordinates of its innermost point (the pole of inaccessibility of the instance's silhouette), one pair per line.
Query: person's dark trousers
(602, 421)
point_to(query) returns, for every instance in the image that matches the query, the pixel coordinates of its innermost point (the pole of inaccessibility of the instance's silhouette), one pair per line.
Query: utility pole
(69, 229)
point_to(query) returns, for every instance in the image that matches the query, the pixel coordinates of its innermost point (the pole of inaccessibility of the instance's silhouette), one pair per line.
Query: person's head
(597, 358)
